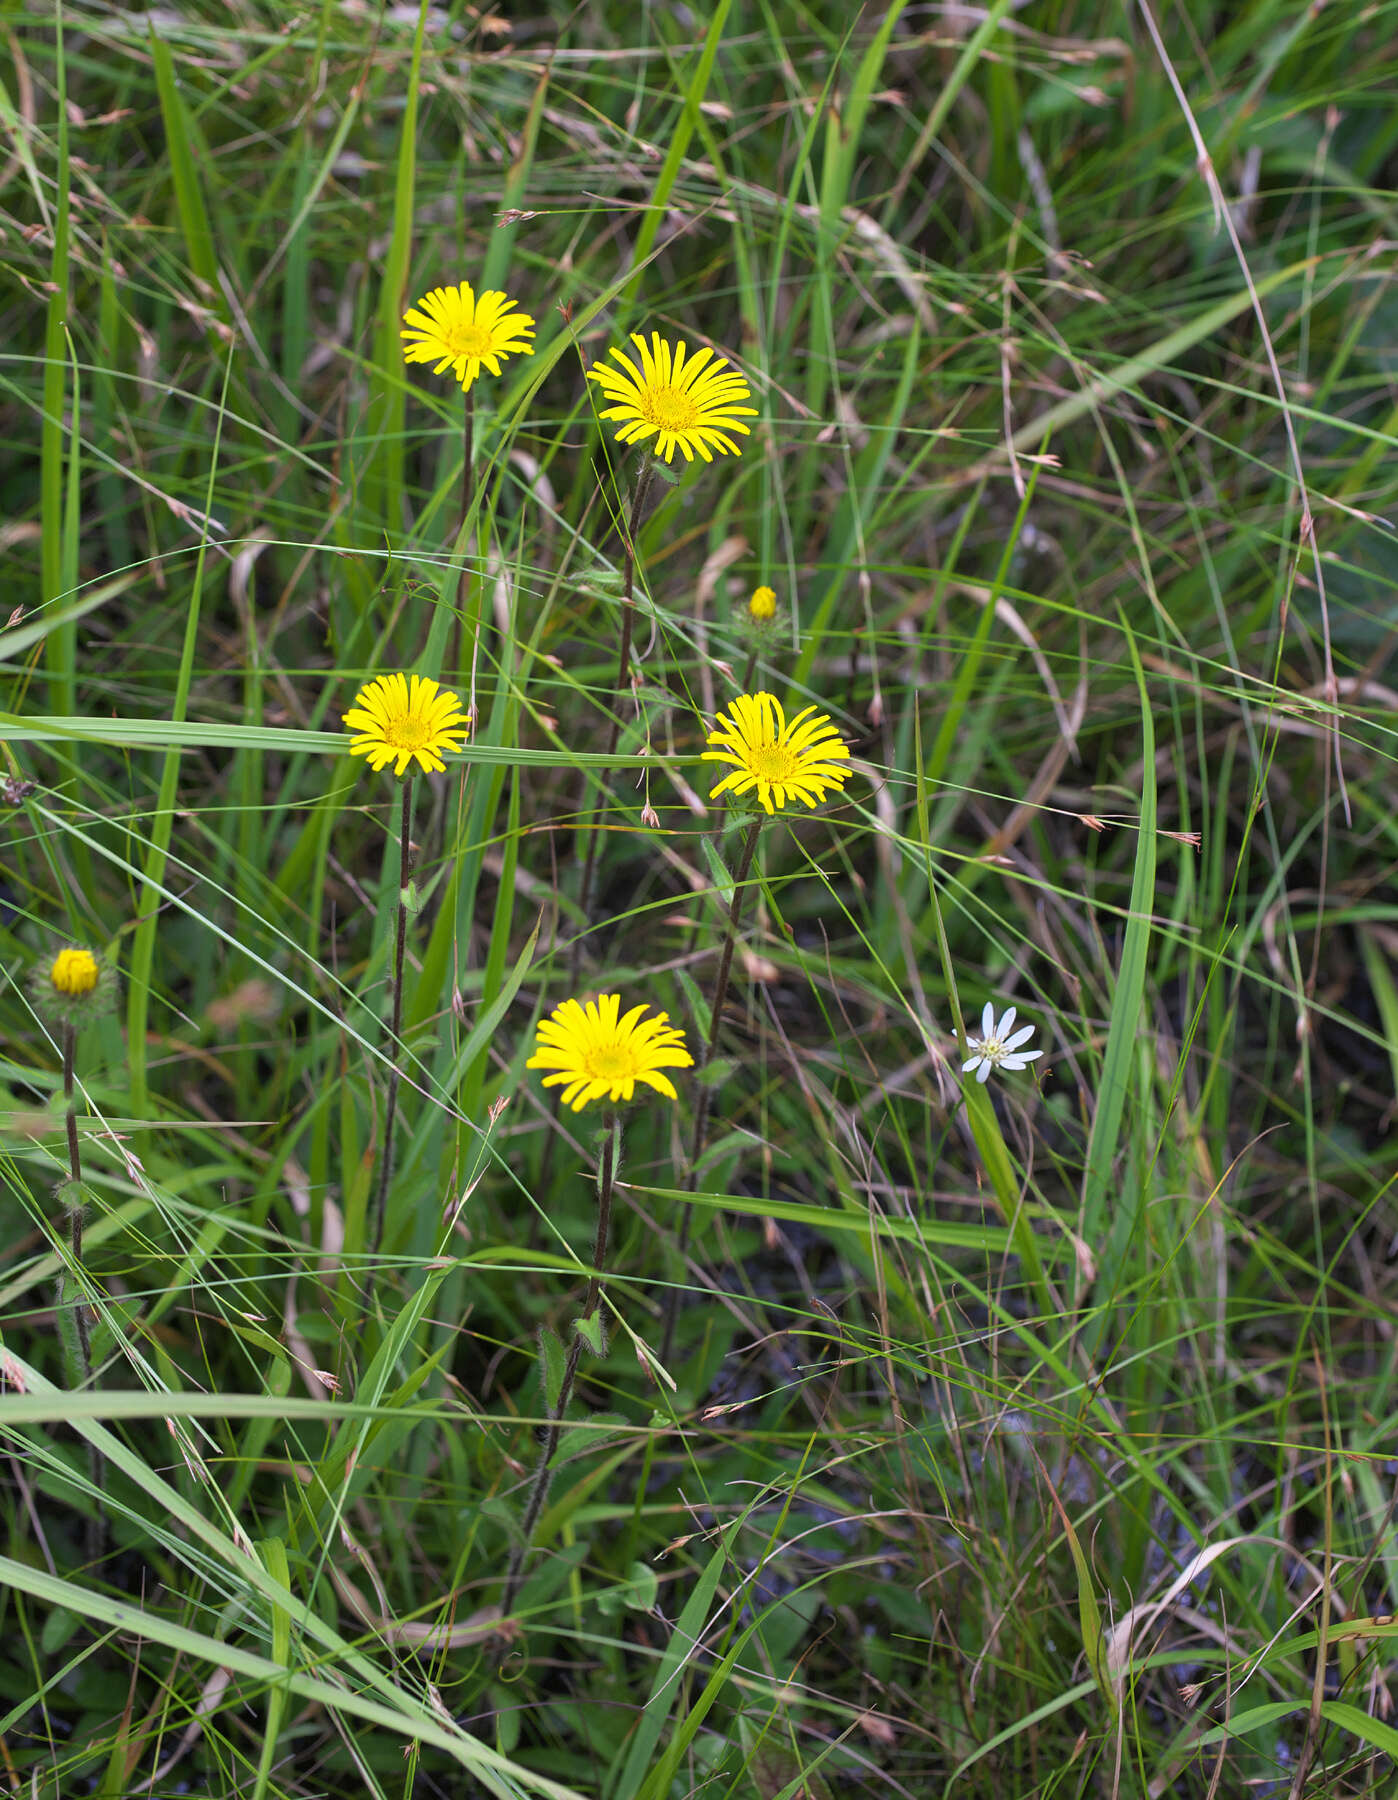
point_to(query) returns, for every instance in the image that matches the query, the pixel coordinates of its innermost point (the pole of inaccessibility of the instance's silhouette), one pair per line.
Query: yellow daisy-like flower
(693, 401)
(396, 722)
(463, 331)
(800, 759)
(74, 972)
(763, 605)
(593, 1051)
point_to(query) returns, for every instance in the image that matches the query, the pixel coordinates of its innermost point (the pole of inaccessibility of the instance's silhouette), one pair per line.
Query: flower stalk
(776, 761)
(704, 1091)
(73, 1204)
(628, 586)
(623, 674)
(587, 1325)
(75, 989)
(468, 457)
(400, 941)
(402, 721)
(759, 619)
(468, 499)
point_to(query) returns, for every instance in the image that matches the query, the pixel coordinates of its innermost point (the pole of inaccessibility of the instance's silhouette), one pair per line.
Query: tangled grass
(887, 1430)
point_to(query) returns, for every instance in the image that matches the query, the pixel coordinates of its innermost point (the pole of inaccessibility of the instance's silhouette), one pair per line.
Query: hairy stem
(405, 870)
(594, 838)
(539, 1484)
(702, 1089)
(75, 1203)
(70, 1044)
(623, 673)
(96, 1530)
(468, 497)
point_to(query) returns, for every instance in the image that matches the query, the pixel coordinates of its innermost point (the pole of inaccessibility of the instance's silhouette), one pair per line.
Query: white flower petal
(974, 1063)
(1022, 1036)
(1006, 1025)
(988, 1020)
(983, 1073)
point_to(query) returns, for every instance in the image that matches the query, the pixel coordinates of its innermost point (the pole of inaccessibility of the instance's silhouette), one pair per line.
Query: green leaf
(552, 1361)
(696, 1004)
(189, 197)
(59, 1626)
(590, 1330)
(589, 1436)
(128, 734)
(1362, 1725)
(636, 1594)
(718, 871)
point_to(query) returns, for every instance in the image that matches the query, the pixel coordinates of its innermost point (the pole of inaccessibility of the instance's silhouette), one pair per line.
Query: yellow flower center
(468, 340)
(74, 972)
(610, 1062)
(763, 604)
(669, 409)
(407, 731)
(773, 762)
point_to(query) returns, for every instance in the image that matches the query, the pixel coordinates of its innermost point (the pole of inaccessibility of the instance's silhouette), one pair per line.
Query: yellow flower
(798, 760)
(465, 332)
(763, 605)
(593, 1052)
(692, 403)
(73, 987)
(74, 972)
(396, 723)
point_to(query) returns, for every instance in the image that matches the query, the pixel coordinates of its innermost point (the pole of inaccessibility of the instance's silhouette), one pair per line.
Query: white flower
(995, 1048)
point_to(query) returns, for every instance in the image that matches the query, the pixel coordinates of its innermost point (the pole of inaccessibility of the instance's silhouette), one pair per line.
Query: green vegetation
(928, 1437)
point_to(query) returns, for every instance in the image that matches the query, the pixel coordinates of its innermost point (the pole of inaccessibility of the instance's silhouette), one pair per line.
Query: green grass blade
(381, 478)
(1119, 1061)
(162, 825)
(666, 1687)
(189, 194)
(61, 650)
(682, 132)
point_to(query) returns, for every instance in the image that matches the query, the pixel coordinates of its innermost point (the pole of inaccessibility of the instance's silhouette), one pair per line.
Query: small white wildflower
(995, 1048)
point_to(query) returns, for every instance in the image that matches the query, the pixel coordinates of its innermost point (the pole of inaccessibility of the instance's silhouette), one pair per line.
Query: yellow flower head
(396, 722)
(693, 401)
(763, 605)
(796, 760)
(463, 331)
(73, 987)
(74, 972)
(593, 1052)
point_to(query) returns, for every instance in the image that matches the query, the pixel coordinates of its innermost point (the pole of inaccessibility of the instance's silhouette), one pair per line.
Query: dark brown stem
(468, 496)
(623, 672)
(539, 1485)
(628, 583)
(405, 871)
(702, 1089)
(468, 460)
(75, 1198)
(75, 1167)
(594, 837)
(745, 685)
(96, 1530)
